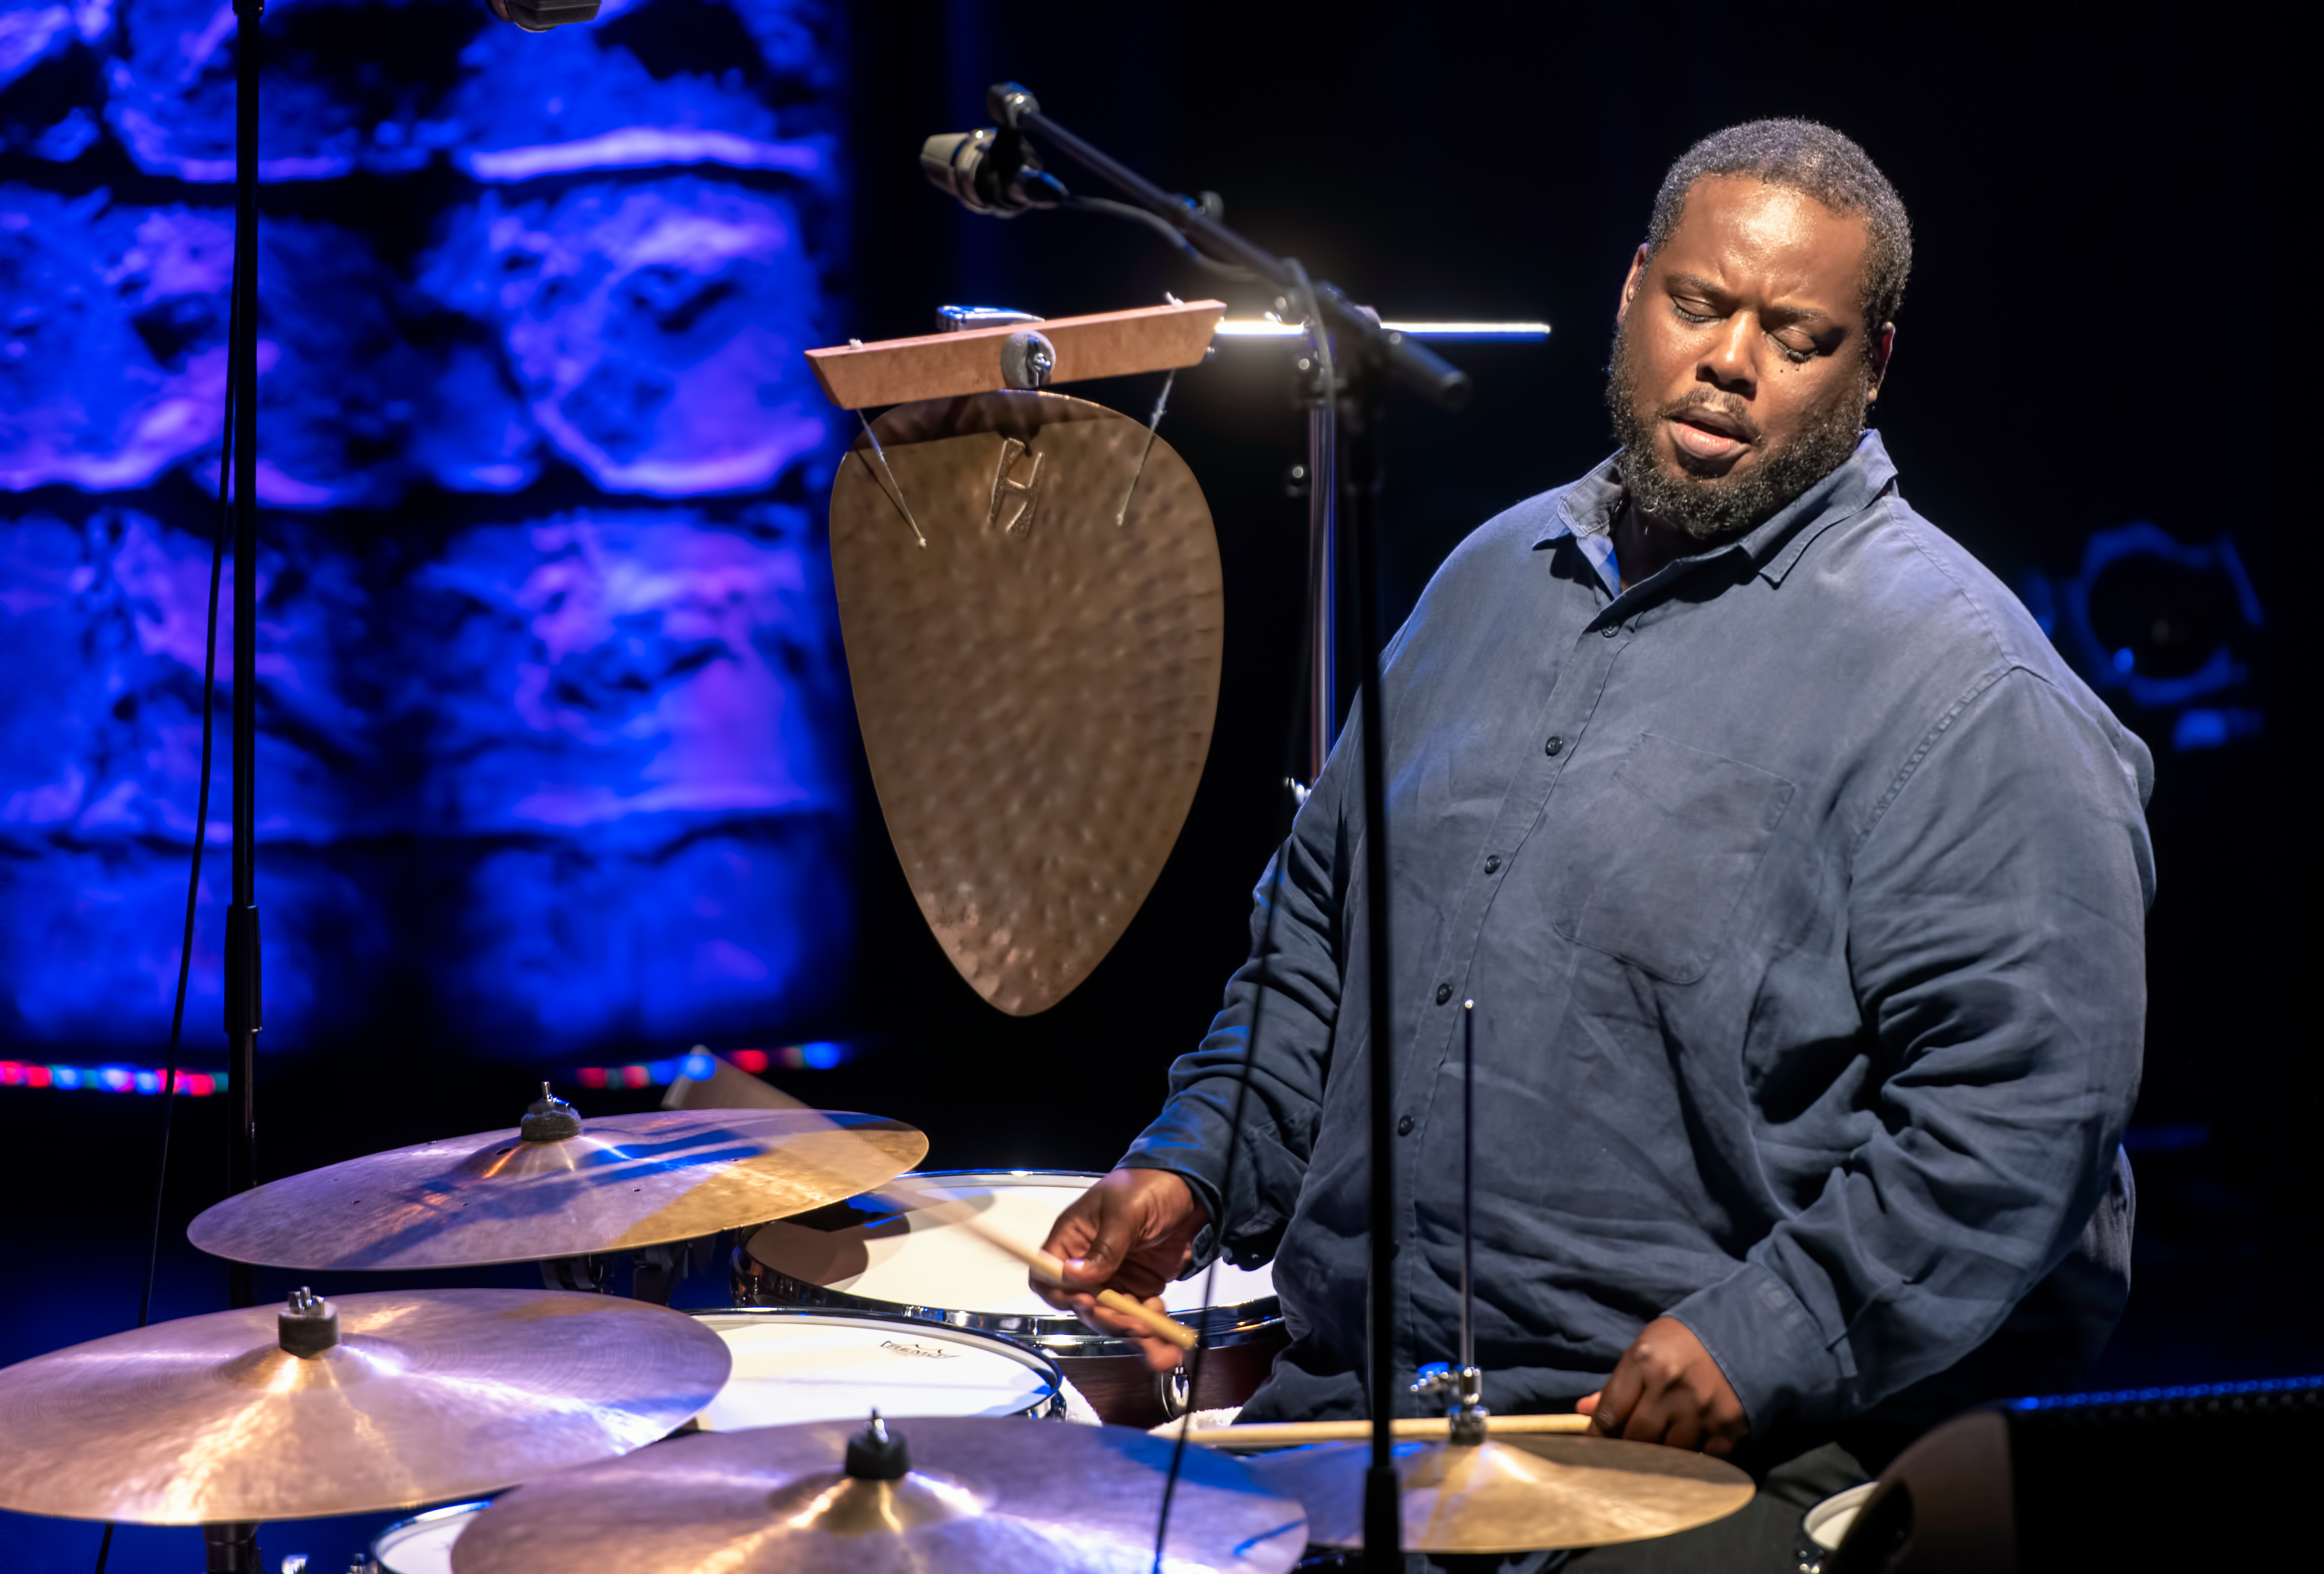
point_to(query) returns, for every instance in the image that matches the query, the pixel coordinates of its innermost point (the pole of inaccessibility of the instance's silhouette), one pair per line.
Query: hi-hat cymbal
(982, 1494)
(622, 1182)
(1512, 1495)
(425, 1396)
(1035, 654)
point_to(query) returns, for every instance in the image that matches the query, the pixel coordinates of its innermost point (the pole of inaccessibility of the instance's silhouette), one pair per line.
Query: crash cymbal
(424, 1396)
(980, 1494)
(617, 1182)
(1036, 684)
(1512, 1495)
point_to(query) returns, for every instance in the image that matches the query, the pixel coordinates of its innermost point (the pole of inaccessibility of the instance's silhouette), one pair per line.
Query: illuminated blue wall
(552, 704)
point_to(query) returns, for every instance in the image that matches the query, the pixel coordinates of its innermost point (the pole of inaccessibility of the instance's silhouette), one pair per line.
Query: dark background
(2091, 336)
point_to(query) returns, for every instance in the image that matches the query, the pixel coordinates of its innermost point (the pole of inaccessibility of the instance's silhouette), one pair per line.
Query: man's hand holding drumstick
(1134, 1232)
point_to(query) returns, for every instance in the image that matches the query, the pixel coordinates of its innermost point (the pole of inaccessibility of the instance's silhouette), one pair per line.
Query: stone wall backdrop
(553, 708)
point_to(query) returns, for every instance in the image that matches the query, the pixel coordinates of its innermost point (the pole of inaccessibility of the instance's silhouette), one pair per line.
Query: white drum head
(791, 1367)
(423, 1544)
(913, 1260)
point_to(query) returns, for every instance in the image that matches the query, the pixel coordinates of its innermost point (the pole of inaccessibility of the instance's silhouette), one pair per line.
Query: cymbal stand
(1371, 354)
(1463, 1386)
(232, 1547)
(243, 1015)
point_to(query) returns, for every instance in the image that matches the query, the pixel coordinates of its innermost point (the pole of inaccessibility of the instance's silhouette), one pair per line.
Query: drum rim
(429, 1517)
(1225, 1325)
(1030, 1354)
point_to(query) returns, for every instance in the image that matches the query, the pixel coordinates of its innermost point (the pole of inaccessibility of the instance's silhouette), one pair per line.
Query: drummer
(1801, 888)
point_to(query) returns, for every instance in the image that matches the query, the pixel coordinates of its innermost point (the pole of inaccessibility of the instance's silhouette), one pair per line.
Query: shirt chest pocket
(1653, 856)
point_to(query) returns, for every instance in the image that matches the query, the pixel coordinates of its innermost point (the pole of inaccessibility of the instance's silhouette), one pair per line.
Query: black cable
(1162, 226)
(193, 878)
(1300, 702)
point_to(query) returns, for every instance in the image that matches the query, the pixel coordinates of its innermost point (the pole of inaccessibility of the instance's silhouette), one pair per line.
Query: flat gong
(1035, 669)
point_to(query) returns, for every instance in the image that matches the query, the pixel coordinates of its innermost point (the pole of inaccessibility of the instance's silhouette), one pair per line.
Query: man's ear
(1882, 347)
(1637, 276)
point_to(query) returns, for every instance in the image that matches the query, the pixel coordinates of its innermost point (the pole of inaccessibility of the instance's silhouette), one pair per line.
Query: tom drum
(822, 1366)
(912, 1266)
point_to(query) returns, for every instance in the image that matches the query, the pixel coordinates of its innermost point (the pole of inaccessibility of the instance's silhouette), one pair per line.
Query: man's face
(1740, 375)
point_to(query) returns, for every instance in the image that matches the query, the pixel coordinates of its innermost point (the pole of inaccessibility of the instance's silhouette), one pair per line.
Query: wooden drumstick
(747, 1091)
(1288, 1434)
(953, 1210)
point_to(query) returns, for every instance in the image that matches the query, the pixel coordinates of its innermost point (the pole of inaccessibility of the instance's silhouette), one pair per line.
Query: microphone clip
(991, 171)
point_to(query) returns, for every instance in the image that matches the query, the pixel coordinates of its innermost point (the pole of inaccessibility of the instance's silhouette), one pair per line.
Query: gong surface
(1036, 684)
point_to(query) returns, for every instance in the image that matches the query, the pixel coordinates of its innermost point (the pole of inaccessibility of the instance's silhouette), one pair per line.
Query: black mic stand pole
(242, 1003)
(1371, 353)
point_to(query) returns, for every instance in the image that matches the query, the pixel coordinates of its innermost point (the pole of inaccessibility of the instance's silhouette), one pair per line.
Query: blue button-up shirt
(1801, 889)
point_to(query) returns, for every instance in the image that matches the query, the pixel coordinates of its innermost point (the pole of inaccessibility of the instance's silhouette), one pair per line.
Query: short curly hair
(1801, 155)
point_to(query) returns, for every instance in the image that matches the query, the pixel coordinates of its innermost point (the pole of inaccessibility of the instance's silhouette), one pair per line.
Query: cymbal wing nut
(307, 1325)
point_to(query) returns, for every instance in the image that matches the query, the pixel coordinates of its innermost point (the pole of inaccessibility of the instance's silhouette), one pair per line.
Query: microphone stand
(243, 1016)
(1371, 355)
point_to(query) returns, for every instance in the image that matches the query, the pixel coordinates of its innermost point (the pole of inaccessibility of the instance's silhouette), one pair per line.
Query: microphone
(990, 171)
(540, 15)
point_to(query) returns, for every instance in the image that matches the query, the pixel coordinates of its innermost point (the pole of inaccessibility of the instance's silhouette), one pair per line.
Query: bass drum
(913, 1265)
(793, 1367)
(423, 1544)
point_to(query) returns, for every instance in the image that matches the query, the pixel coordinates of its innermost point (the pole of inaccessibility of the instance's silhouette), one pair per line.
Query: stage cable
(194, 876)
(1286, 816)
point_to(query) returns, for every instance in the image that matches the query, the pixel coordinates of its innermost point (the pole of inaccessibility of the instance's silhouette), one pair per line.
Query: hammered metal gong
(1036, 684)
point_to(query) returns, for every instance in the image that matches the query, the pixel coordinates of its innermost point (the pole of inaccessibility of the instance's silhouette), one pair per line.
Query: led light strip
(1269, 327)
(699, 1064)
(108, 1079)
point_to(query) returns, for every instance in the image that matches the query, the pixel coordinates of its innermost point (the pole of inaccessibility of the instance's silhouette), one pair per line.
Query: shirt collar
(1586, 512)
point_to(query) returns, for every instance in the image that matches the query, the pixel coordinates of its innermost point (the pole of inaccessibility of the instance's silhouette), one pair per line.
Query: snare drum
(913, 1265)
(423, 1544)
(817, 1365)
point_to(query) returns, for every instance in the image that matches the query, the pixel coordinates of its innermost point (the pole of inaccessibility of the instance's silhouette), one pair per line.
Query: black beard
(1706, 507)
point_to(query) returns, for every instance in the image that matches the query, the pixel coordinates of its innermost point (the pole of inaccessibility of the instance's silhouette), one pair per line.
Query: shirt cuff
(1770, 1349)
(1206, 1240)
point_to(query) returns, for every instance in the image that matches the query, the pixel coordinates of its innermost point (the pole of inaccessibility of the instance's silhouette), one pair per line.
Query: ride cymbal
(424, 1396)
(618, 1182)
(1512, 1495)
(981, 1497)
(1034, 637)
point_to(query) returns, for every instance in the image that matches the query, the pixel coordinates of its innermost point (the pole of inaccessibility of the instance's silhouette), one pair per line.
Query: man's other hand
(1133, 1231)
(1666, 1389)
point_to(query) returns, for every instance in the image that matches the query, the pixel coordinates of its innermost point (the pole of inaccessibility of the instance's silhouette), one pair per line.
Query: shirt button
(1554, 746)
(1610, 630)
(1492, 862)
(1403, 1127)
(1444, 992)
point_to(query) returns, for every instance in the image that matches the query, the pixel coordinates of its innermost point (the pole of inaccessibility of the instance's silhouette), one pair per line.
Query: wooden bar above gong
(945, 366)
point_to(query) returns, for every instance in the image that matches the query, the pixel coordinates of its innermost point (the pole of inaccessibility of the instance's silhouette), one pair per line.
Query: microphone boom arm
(1418, 368)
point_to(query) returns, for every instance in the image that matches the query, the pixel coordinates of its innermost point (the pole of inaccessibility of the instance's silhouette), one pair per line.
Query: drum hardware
(235, 1418)
(578, 1189)
(966, 1494)
(423, 1543)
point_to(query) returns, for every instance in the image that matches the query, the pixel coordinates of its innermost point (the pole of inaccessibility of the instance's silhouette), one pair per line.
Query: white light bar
(1529, 333)
(1507, 332)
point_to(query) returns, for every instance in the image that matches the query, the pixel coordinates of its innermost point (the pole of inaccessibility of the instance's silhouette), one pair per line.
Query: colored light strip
(2175, 1391)
(1510, 332)
(108, 1079)
(699, 1064)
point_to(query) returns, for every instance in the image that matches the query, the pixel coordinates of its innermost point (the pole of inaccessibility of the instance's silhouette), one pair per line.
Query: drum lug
(1176, 1392)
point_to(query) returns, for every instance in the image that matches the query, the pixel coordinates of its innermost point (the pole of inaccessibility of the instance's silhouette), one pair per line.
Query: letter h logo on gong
(1016, 489)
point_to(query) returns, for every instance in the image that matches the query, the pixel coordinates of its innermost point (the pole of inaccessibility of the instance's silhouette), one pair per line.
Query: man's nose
(1731, 362)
